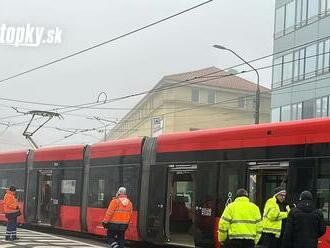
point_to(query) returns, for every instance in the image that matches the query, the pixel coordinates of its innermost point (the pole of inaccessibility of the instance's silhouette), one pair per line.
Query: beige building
(202, 99)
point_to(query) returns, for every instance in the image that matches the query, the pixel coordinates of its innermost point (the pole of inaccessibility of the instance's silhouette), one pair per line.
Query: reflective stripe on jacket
(119, 211)
(10, 202)
(272, 219)
(240, 220)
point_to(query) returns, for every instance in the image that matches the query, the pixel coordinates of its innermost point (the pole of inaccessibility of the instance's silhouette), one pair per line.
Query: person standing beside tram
(274, 219)
(117, 218)
(12, 211)
(240, 225)
(305, 224)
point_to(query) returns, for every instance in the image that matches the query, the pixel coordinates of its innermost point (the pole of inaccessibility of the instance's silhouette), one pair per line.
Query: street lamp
(258, 87)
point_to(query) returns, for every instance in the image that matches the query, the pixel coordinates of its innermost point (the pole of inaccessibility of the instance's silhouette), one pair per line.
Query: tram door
(45, 183)
(264, 178)
(180, 206)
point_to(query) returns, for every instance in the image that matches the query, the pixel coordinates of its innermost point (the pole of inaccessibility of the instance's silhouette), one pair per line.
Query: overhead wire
(211, 78)
(105, 42)
(92, 105)
(229, 75)
(205, 75)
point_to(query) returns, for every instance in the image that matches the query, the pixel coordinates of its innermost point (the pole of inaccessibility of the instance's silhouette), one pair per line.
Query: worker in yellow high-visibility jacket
(274, 218)
(240, 224)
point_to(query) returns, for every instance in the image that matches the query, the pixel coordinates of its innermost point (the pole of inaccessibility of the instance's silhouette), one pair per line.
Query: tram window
(232, 177)
(3, 187)
(130, 181)
(71, 187)
(323, 188)
(100, 194)
(303, 181)
(12, 178)
(97, 191)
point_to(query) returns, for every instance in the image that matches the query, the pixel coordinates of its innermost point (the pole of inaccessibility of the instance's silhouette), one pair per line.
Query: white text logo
(29, 36)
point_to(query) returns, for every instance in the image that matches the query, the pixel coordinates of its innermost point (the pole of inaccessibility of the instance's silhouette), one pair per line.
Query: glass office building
(301, 65)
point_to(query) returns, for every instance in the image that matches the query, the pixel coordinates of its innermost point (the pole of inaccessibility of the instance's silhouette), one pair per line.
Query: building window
(321, 107)
(320, 61)
(301, 13)
(308, 109)
(326, 64)
(277, 72)
(285, 19)
(254, 103)
(325, 106)
(313, 9)
(310, 64)
(285, 113)
(287, 68)
(299, 111)
(279, 21)
(241, 102)
(211, 96)
(296, 66)
(301, 64)
(318, 107)
(289, 17)
(276, 112)
(298, 12)
(323, 7)
(195, 95)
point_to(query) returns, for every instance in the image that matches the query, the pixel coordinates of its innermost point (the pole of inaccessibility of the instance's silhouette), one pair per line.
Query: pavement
(33, 239)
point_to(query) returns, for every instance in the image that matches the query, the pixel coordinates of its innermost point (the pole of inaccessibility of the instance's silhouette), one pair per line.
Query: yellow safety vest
(272, 219)
(240, 220)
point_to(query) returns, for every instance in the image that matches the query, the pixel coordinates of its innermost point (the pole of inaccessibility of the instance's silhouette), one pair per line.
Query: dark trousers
(268, 240)
(116, 238)
(11, 228)
(239, 243)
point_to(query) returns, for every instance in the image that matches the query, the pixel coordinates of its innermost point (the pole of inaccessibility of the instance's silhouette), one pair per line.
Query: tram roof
(13, 157)
(131, 146)
(261, 135)
(59, 153)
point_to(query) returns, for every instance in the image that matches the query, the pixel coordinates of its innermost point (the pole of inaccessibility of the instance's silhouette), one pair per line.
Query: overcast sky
(129, 65)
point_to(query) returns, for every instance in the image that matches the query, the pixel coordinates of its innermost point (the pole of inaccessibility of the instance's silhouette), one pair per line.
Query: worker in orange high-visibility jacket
(117, 218)
(11, 210)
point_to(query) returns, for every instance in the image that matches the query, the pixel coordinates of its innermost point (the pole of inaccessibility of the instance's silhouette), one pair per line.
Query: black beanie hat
(306, 195)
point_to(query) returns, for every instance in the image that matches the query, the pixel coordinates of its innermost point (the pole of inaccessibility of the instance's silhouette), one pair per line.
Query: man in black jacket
(305, 224)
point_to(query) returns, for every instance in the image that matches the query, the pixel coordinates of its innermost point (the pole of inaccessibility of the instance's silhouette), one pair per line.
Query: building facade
(301, 65)
(202, 99)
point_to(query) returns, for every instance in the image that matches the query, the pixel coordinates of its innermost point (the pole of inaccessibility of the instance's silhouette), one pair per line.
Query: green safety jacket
(272, 219)
(240, 220)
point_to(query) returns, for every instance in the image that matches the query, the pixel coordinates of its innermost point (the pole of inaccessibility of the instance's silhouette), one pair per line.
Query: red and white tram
(179, 183)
